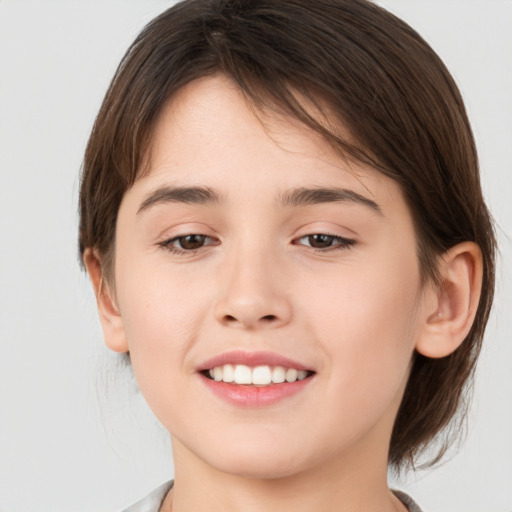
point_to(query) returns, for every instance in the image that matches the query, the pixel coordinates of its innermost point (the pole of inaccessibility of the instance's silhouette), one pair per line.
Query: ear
(110, 317)
(451, 306)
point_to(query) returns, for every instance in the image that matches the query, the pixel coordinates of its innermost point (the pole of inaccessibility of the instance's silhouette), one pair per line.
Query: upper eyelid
(326, 233)
(343, 239)
(170, 241)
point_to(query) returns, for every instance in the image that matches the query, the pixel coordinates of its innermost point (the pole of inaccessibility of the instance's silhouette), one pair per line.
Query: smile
(264, 375)
(255, 379)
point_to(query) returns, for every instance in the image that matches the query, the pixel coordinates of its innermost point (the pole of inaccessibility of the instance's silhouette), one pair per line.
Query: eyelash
(168, 244)
(342, 243)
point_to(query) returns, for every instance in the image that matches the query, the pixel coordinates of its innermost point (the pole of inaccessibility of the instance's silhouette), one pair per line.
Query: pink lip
(251, 359)
(253, 396)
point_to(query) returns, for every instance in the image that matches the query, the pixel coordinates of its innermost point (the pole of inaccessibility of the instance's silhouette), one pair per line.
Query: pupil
(192, 241)
(320, 241)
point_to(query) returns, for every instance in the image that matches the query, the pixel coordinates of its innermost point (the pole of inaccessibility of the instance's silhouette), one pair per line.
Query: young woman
(282, 219)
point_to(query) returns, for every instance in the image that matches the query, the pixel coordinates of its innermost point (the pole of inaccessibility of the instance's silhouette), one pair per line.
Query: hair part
(378, 78)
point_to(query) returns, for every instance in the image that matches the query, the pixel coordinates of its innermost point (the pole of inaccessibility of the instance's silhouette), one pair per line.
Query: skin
(354, 313)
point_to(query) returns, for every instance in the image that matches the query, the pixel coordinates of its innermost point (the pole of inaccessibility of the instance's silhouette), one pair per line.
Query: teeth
(291, 375)
(302, 374)
(257, 376)
(228, 373)
(243, 374)
(217, 373)
(278, 374)
(261, 376)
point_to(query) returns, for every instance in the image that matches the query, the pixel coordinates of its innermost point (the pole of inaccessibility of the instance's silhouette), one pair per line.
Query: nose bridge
(253, 287)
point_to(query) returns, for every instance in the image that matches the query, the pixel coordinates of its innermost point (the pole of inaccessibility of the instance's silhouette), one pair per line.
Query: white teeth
(263, 375)
(278, 374)
(291, 375)
(302, 374)
(243, 374)
(228, 373)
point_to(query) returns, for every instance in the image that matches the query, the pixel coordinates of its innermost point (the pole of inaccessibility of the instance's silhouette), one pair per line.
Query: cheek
(367, 319)
(162, 315)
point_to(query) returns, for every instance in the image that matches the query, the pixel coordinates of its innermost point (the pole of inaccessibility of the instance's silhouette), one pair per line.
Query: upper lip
(252, 359)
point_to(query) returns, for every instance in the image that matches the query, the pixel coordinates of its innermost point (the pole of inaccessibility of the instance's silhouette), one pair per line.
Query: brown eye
(191, 242)
(320, 241)
(187, 245)
(324, 242)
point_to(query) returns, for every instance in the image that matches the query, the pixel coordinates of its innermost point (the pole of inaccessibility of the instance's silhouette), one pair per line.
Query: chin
(260, 470)
(259, 462)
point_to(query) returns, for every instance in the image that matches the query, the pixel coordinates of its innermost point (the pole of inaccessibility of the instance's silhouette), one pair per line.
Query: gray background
(74, 433)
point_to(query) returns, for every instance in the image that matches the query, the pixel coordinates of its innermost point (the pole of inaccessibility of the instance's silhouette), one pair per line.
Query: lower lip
(254, 396)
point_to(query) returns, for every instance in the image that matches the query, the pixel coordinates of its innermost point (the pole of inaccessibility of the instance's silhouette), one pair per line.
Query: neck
(354, 483)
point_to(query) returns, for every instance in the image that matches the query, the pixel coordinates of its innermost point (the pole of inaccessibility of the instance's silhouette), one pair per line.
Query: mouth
(254, 379)
(258, 376)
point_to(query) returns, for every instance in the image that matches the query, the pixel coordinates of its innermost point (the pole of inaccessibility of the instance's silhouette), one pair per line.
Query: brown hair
(379, 79)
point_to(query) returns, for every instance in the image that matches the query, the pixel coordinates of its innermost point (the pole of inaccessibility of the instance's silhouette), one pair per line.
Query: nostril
(265, 319)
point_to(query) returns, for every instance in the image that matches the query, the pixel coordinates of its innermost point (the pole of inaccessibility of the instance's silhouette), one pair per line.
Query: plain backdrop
(75, 435)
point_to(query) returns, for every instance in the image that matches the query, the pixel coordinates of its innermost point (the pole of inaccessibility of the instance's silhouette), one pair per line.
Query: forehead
(212, 113)
(209, 134)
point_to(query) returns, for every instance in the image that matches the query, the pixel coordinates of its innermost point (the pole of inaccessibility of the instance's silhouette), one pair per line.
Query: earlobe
(453, 303)
(110, 317)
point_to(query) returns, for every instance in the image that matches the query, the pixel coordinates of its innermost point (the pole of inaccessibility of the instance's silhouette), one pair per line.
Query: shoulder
(153, 501)
(407, 501)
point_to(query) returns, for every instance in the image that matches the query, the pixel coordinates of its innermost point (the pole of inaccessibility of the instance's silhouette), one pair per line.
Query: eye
(187, 244)
(324, 241)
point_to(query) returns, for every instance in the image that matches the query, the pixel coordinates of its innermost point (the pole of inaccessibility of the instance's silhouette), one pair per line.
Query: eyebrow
(311, 196)
(187, 195)
(292, 198)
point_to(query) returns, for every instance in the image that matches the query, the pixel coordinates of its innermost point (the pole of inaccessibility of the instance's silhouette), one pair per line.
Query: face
(251, 254)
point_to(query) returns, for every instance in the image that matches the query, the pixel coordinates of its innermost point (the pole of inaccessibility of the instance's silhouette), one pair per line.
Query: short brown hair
(380, 80)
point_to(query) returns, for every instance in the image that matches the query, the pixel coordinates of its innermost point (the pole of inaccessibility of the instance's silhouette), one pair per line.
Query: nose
(253, 293)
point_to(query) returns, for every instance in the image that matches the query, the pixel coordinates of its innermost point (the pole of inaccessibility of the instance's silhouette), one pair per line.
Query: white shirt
(153, 501)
